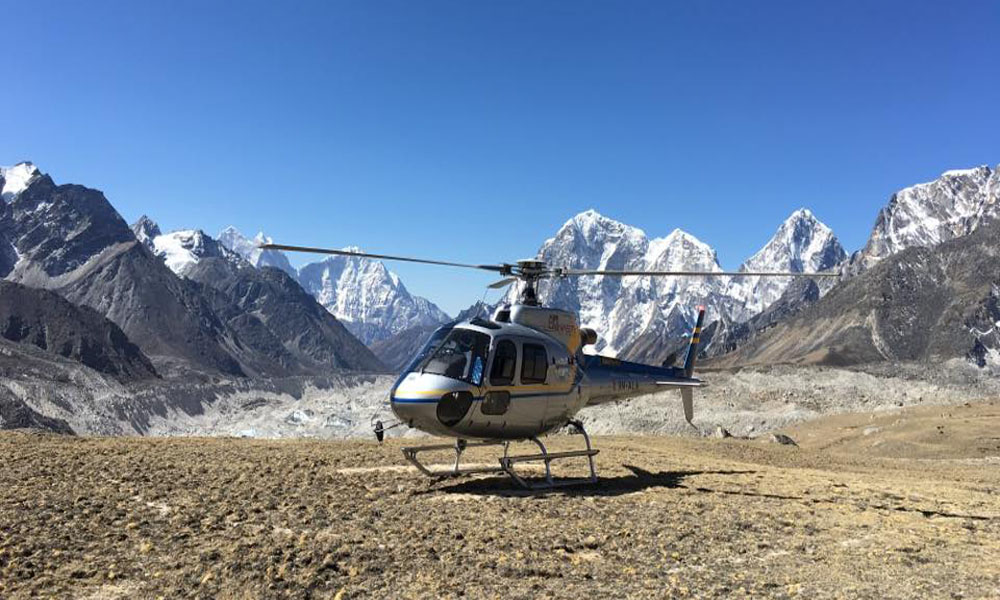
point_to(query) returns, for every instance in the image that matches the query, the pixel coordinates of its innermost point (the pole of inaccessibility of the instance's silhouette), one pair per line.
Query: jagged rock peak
(622, 308)
(927, 214)
(679, 251)
(367, 297)
(802, 243)
(231, 238)
(145, 230)
(592, 224)
(14, 180)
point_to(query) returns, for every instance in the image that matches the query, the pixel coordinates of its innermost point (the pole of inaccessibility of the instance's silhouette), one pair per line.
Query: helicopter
(522, 373)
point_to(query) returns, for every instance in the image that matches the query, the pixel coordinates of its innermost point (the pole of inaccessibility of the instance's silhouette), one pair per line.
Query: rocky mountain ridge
(623, 310)
(634, 316)
(13, 180)
(926, 214)
(250, 249)
(68, 239)
(923, 303)
(291, 326)
(368, 298)
(802, 244)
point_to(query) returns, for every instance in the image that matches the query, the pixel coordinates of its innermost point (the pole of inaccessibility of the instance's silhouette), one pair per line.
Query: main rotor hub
(531, 267)
(529, 271)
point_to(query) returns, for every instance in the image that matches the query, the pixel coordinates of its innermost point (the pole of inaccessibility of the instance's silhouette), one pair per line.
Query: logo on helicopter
(555, 325)
(624, 385)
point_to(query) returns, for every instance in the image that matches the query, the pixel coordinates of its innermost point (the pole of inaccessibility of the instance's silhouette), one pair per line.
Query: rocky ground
(898, 503)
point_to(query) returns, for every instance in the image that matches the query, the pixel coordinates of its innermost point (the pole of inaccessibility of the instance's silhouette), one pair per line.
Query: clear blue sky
(471, 130)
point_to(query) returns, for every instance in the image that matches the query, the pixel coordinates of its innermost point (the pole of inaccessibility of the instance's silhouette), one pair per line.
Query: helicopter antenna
(482, 302)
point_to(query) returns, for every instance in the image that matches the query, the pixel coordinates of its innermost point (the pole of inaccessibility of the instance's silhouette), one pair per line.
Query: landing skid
(507, 462)
(459, 447)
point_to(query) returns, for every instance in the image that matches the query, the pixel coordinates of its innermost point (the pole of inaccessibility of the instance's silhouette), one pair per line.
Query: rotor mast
(530, 271)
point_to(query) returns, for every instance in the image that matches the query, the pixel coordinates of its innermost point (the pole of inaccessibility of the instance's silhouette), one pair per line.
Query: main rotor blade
(496, 285)
(578, 273)
(494, 268)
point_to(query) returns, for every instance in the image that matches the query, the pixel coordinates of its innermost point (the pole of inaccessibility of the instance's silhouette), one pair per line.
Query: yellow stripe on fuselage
(539, 387)
(424, 392)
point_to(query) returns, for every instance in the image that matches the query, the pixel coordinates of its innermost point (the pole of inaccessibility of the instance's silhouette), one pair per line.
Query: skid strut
(459, 447)
(507, 462)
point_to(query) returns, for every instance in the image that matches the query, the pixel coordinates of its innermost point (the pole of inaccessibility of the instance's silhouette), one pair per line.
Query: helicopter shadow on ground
(639, 480)
(642, 479)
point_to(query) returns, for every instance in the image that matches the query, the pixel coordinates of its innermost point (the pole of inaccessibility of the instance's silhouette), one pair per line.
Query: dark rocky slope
(52, 323)
(314, 339)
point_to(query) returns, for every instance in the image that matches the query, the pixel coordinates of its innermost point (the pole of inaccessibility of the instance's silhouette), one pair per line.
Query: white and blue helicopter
(522, 373)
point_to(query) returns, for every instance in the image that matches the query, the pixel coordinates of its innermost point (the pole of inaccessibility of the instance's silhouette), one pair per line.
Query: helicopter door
(496, 402)
(534, 371)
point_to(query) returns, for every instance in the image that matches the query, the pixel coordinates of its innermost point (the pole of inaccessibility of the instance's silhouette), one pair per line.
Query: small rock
(780, 438)
(722, 432)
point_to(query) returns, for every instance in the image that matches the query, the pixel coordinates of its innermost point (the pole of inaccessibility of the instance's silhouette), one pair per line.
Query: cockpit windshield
(428, 348)
(462, 355)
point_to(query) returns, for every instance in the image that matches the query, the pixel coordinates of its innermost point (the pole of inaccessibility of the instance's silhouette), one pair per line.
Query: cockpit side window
(462, 355)
(534, 363)
(504, 363)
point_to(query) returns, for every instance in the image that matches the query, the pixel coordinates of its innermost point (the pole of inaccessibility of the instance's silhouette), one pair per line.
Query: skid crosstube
(507, 462)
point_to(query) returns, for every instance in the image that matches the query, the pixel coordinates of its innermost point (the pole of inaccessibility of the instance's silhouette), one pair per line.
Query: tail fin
(693, 348)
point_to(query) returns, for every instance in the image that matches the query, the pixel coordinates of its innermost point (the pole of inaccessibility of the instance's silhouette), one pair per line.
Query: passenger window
(496, 403)
(535, 363)
(504, 362)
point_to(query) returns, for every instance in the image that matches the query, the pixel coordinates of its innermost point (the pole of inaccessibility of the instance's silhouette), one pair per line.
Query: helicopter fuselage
(516, 376)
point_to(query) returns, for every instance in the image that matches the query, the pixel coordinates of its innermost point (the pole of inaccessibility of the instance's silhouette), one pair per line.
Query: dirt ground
(898, 504)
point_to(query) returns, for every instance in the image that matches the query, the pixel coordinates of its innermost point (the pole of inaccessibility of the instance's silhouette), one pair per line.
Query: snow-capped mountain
(231, 238)
(181, 250)
(367, 297)
(801, 244)
(621, 309)
(13, 180)
(267, 306)
(625, 309)
(927, 214)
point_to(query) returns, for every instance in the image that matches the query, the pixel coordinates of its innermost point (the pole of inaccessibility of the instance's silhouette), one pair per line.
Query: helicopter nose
(430, 403)
(407, 408)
